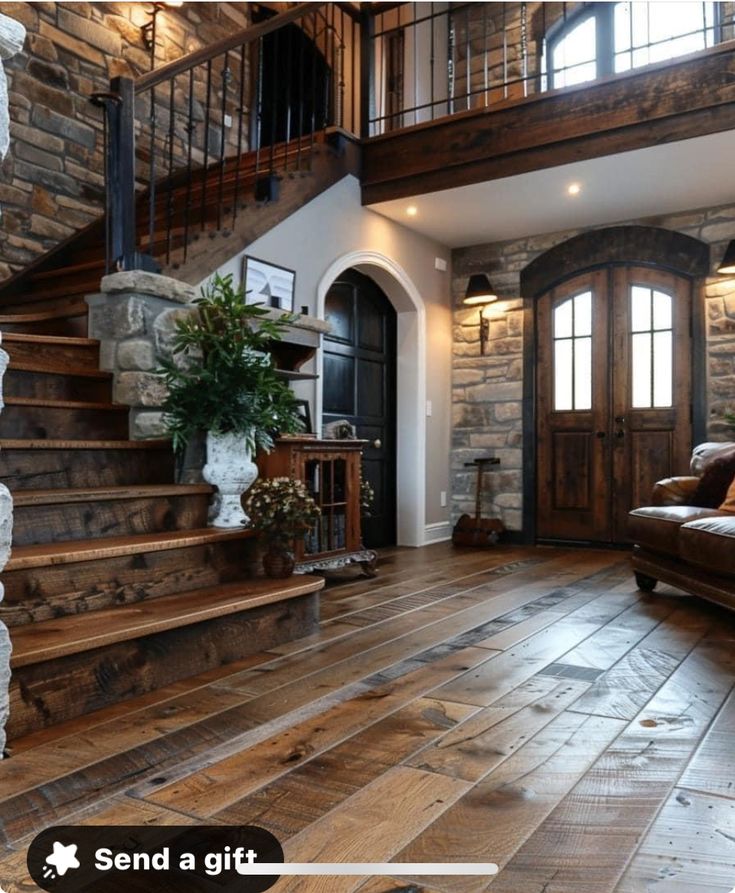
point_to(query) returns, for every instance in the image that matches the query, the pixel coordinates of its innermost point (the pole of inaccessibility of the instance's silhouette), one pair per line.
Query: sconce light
(480, 293)
(148, 31)
(727, 264)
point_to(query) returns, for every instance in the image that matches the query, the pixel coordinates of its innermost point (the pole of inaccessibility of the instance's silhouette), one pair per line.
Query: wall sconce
(148, 31)
(480, 293)
(727, 264)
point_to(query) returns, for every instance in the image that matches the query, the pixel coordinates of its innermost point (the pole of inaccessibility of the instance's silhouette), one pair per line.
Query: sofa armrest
(674, 491)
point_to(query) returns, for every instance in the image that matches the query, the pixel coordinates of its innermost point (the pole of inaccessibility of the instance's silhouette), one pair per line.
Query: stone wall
(487, 391)
(53, 183)
(12, 37)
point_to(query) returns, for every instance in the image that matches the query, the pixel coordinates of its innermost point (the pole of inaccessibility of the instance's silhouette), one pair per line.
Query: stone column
(12, 35)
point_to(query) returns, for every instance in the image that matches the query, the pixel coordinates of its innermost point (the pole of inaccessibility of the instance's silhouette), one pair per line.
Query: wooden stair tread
(59, 340)
(71, 551)
(36, 444)
(65, 404)
(50, 639)
(94, 494)
(71, 371)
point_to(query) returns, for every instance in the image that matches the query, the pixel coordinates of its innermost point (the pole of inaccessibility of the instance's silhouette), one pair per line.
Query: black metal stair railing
(186, 143)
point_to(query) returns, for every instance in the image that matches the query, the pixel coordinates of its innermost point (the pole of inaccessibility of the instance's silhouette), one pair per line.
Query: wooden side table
(331, 471)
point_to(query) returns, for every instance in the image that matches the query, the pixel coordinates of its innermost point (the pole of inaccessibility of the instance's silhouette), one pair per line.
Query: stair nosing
(30, 338)
(66, 444)
(65, 404)
(102, 636)
(51, 496)
(49, 554)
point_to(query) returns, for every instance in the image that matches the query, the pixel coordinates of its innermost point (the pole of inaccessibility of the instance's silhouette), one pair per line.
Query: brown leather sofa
(686, 546)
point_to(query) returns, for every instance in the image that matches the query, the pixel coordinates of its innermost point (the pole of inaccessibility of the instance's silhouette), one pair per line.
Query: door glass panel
(573, 353)
(652, 359)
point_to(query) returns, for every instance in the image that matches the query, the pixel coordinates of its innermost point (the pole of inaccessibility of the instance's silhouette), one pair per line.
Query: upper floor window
(607, 38)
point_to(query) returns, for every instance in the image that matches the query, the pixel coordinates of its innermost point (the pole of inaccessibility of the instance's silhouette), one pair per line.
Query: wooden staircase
(115, 585)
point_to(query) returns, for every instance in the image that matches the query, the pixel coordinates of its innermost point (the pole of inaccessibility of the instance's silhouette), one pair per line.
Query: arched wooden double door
(613, 385)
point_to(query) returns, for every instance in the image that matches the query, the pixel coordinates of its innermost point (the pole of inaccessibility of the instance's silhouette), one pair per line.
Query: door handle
(620, 433)
(377, 443)
(600, 435)
(619, 419)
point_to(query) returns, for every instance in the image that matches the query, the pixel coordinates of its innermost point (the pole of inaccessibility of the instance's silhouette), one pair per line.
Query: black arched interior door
(359, 385)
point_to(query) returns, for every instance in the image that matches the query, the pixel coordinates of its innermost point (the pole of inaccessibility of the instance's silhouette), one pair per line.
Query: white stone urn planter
(230, 468)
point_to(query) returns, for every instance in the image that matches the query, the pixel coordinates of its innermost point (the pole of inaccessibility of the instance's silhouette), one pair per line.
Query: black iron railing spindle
(226, 75)
(205, 165)
(170, 190)
(241, 116)
(190, 128)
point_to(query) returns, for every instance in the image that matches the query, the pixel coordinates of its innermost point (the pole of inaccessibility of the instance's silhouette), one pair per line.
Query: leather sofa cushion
(716, 477)
(709, 543)
(657, 527)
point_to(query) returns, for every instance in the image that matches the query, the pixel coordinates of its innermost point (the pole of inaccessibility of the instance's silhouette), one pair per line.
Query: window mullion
(605, 38)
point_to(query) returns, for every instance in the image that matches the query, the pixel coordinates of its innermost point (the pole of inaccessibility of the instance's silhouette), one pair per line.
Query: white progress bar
(368, 868)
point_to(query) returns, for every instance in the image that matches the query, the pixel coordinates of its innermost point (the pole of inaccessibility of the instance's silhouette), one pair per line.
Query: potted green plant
(221, 380)
(282, 511)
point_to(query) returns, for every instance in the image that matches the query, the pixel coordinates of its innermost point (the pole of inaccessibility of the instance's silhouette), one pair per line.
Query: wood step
(69, 321)
(53, 516)
(32, 464)
(73, 577)
(26, 417)
(52, 352)
(25, 379)
(74, 665)
(36, 642)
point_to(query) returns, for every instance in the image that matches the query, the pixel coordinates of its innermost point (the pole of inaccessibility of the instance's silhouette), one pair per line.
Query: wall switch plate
(429, 408)
(443, 498)
(440, 264)
(228, 120)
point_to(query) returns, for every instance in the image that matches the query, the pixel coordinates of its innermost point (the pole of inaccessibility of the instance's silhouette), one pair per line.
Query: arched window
(608, 38)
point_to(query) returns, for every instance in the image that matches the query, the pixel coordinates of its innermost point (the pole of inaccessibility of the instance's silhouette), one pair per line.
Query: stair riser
(49, 469)
(53, 356)
(52, 386)
(66, 326)
(57, 690)
(60, 423)
(118, 517)
(44, 592)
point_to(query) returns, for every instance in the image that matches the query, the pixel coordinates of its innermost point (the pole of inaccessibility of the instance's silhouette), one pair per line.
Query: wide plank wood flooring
(526, 706)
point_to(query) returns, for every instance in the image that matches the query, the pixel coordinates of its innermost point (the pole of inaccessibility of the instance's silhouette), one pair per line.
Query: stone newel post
(12, 35)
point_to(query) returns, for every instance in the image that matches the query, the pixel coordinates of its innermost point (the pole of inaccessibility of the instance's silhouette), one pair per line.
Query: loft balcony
(471, 92)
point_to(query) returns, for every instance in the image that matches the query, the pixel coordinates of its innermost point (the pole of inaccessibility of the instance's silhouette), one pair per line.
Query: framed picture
(302, 408)
(268, 284)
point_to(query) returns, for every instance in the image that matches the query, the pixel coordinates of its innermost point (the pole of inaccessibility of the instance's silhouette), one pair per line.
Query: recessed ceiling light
(412, 210)
(574, 189)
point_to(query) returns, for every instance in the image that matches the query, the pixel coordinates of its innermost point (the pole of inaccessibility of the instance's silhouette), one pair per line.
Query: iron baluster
(226, 75)
(207, 109)
(238, 163)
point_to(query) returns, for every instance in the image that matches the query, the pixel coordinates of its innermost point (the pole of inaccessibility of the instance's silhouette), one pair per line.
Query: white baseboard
(439, 532)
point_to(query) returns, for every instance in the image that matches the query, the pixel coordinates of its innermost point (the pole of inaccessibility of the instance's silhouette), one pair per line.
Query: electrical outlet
(443, 498)
(440, 264)
(429, 408)
(228, 120)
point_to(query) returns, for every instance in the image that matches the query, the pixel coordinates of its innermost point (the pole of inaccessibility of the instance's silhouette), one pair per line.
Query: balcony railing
(432, 60)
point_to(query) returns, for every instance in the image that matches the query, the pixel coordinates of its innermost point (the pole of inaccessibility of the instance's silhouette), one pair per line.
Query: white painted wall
(325, 237)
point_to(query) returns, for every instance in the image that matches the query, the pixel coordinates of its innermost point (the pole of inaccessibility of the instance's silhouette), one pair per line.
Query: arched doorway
(359, 386)
(610, 379)
(410, 381)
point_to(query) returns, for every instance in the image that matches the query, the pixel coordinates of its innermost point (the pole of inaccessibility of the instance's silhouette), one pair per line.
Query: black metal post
(367, 28)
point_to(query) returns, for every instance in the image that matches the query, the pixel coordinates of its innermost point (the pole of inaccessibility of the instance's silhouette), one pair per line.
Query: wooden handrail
(247, 35)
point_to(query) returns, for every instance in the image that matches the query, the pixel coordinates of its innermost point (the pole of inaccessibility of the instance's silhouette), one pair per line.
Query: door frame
(410, 383)
(643, 246)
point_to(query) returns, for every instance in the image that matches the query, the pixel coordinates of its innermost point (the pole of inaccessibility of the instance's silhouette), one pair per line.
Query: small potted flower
(281, 511)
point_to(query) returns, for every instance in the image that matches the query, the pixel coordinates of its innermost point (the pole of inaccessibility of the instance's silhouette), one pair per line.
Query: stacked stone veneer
(53, 183)
(487, 391)
(12, 36)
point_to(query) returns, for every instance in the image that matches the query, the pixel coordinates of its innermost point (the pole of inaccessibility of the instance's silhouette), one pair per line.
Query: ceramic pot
(230, 468)
(278, 561)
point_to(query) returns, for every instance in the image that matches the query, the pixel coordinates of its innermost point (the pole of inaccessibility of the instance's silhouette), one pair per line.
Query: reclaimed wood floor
(526, 706)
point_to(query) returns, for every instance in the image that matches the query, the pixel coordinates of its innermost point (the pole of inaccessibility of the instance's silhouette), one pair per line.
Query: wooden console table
(331, 471)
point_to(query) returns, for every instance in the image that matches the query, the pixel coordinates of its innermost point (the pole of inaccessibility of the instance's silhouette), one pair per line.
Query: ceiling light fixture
(574, 189)
(727, 264)
(480, 293)
(412, 210)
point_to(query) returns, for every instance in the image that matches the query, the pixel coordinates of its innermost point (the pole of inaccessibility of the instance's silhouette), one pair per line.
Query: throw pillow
(715, 480)
(728, 504)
